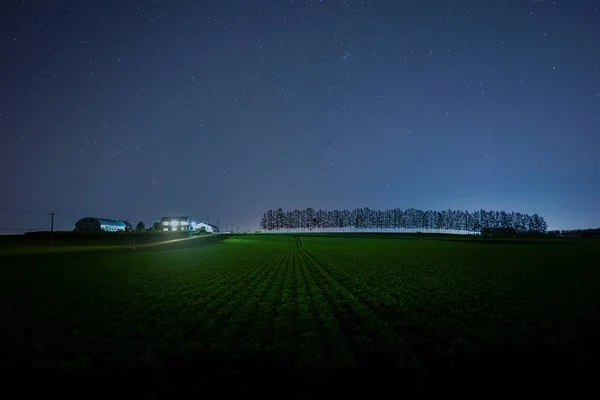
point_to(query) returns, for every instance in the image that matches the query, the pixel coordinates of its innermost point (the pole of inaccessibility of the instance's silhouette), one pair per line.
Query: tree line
(594, 232)
(398, 220)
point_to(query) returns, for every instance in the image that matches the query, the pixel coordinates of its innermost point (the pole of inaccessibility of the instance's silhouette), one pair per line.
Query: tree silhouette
(398, 220)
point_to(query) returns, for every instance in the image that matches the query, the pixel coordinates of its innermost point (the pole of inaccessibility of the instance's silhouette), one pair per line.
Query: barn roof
(111, 222)
(206, 223)
(106, 221)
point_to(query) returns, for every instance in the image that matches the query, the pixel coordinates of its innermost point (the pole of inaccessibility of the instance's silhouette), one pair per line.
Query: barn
(207, 227)
(92, 224)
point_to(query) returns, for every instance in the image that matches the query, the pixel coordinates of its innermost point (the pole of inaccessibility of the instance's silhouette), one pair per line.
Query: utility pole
(52, 230)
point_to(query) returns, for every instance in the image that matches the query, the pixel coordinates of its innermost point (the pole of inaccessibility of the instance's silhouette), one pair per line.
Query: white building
(174, 224)
(178, 224)
(206, 226)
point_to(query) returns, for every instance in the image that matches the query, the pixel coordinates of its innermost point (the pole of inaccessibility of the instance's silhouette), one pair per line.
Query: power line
(15, 210)
(22, 211)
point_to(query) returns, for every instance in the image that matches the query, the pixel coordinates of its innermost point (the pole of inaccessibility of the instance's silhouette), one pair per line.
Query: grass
(304, 315)
(40, 242)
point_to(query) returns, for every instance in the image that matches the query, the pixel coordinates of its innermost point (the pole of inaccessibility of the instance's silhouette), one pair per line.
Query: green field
(304, 315)
(40, 242)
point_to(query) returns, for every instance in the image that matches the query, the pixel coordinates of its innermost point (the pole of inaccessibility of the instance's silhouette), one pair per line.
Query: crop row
(309, 304)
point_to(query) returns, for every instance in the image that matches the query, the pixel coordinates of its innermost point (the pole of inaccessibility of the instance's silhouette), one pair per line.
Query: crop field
(304, 315)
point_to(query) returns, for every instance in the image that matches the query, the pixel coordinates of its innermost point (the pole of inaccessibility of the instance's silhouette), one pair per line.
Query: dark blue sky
(141, 109)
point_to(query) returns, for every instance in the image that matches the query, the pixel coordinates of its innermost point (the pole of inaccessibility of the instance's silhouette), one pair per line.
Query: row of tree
(396, 219)
(575, 233)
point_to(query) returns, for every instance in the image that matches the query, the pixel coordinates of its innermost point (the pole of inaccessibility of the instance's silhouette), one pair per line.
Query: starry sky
(224, 109)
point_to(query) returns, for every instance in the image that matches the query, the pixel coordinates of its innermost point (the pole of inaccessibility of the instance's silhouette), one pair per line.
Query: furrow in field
(384, 271)
(404, 316)
(192, 280)
(167, 322)
(290, 302)
(213, 288)
(284, 311)
(372, 339)
(245, 328)
(432, 326)
(321, 339)
(144, 313)
(408, 293)
(195, 324)
(227, 315)
(412, 325)
(175, 292)
(269, 328)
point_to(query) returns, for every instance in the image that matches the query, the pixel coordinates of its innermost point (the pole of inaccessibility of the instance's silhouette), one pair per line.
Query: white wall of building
(112, 228)
(201, 225)
(175, 226)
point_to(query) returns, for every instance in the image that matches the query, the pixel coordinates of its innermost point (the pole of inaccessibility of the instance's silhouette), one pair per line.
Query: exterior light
(174, 223)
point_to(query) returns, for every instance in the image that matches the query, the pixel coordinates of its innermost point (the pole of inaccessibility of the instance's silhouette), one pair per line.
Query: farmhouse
(91, 224)
(207, 227)
(185, 223)
(176, 224)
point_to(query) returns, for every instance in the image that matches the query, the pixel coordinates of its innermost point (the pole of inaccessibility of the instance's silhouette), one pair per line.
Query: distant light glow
(174, 223)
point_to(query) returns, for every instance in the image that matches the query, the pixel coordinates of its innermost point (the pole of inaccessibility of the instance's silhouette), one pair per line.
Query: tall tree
(488, 221)
(280, 222)
(309, 218)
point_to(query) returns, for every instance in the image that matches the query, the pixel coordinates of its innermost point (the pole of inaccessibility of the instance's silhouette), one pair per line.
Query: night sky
(143, 109)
